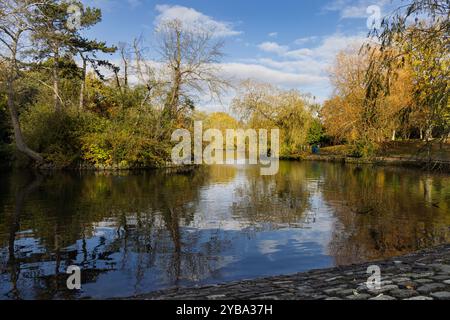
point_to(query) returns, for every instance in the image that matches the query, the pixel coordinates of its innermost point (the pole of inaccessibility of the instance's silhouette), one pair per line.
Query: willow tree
(415, 34)
(264, 106)
(346, 115)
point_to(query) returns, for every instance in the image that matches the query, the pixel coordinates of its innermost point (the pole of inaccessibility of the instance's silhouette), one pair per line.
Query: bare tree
(146, 73)
(191, 56)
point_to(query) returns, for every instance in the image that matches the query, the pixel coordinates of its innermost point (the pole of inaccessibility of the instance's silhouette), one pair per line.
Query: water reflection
(137, 232)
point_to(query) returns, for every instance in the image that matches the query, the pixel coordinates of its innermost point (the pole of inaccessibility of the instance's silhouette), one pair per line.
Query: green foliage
(316, 133)
(364, 148)
(263, 106)
(55, 135)
(128, 140)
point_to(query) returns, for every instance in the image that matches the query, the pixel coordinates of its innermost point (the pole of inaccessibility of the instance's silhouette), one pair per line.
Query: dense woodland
(70, 101)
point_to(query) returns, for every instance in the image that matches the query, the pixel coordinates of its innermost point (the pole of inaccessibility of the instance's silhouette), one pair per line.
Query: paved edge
(424, 275)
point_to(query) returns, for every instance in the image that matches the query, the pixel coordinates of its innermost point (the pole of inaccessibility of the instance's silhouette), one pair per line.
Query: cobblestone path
(420, 276)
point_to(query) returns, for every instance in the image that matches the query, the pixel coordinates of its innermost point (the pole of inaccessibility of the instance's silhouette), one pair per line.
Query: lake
(136, 232)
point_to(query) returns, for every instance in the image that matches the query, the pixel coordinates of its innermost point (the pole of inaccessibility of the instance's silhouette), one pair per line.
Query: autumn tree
(347, 115)
(220, 121)
(416, 34)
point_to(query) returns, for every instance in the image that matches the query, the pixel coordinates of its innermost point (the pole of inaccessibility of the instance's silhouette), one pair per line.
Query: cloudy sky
(289, 43)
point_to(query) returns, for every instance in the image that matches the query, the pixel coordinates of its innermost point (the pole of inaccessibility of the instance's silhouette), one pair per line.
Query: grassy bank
(433, 156)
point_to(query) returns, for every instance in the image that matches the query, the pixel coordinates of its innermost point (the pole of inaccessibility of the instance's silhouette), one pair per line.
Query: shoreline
(423, 165)
(423, 275)
(406, 162)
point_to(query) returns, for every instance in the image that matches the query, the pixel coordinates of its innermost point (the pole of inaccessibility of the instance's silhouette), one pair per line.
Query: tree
(348, 116)
(261, 105)
(15, 26)
(50, 36)
(88, 50)
(315, 133)
(431, 70)
(416, 34)
(190, 56)
(57, 39)
(43, 25)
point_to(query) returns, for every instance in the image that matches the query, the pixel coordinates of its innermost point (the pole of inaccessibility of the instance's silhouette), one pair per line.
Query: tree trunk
(125, 66)
(20, 143)
(57, 103)
(125, 75)
(429, 133)
(394, 134)
(177, 79)
(83, 85)
(175, 96)
(116, 77)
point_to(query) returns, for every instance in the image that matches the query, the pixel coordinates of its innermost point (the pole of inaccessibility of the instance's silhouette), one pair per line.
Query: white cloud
(195, 19)
(305, 66)
(273, 34)
(259, 72)
(302, 68)
(331, 45)
(273, 47)
(302, 41)
(328, 47)
(299, 53)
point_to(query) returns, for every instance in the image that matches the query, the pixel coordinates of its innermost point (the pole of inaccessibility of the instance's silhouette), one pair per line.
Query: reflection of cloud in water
(145, 232)
(269, 246)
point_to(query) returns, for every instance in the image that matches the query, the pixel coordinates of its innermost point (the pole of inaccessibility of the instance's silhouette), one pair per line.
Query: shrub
(364, 148)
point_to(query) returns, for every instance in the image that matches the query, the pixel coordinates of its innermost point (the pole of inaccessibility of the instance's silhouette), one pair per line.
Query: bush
(364, 148)
(128, 140)
(53, 134)
(315, 133)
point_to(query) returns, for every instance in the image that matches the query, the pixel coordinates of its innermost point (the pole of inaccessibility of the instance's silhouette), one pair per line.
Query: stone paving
(420, 276)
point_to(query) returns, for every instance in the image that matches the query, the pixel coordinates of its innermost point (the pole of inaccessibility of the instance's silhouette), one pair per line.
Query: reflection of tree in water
(42, 251)
(148, 211)
(140, 224)
(282, 199)
(384, 212)
(13, 262)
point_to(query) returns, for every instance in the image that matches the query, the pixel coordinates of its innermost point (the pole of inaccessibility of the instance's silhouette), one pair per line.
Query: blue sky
(289, 43)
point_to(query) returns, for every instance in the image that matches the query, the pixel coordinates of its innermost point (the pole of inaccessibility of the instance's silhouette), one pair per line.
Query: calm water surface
(138, 232)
